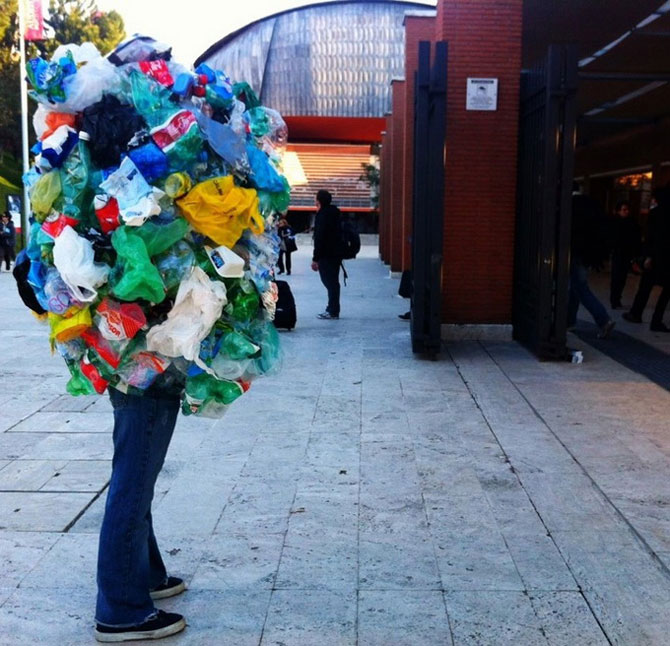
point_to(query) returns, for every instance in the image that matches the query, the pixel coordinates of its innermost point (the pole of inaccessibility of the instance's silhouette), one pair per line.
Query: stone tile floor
(362, 496)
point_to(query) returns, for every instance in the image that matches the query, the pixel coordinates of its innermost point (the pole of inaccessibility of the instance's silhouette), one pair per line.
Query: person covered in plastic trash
(155, 192)
(327, 256)
(7, 240)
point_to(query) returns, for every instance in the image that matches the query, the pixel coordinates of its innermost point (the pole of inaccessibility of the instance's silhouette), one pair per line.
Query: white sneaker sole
(168, 592)
(129, 636)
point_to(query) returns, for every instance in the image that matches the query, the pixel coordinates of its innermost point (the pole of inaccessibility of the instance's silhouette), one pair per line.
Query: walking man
(327, 257)
(7, 240)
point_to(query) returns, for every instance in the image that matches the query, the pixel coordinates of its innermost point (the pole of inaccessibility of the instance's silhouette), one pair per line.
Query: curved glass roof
(332, 59)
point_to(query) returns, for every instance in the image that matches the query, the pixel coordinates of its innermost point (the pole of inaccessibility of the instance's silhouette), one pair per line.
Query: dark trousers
(7, 255)
(280, 262)
(620, 267)
(329, 270)
(647, 282)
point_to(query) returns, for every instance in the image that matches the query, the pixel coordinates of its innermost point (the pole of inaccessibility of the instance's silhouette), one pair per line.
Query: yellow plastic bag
(65, 329)
(222, 211)
(44, 193)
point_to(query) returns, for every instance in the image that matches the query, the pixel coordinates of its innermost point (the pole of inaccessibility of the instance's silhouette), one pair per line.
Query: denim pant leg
(579, 286)
(329, 270)
(129, 563)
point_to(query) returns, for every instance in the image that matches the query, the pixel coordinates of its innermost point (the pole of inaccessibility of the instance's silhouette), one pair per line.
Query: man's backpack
(350, 240)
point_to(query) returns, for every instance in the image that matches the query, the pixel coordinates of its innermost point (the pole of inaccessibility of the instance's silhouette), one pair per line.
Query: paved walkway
(363, 496)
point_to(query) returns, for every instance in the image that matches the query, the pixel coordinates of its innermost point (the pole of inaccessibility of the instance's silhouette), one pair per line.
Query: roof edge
(228, 37)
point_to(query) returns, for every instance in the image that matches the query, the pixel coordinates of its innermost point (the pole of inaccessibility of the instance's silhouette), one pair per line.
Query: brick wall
(484, 40)
(416, 29)
(397, 173)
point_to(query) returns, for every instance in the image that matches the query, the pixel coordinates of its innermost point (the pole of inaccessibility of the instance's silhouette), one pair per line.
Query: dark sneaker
(606, 330)
(162, 625)
(406, 316)
(631, 318)
(326, 315)
(659, 327)
(172, 587)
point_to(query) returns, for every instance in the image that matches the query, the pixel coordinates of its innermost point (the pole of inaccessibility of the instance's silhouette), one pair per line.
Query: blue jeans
(129, 562)
(329, 271)
(580, 292)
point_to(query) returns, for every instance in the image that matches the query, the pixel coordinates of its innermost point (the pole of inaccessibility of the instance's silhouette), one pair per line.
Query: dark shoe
(172, 587)
(326, 315)
(659, 327)
(288, 273)
(406, 316)
(606, 330)
(280, 272)
(631, 318)
(162, 625)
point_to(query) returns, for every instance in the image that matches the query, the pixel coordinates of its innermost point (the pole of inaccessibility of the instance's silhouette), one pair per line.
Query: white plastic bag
(198, 305)
(74, 259)
(86, 87)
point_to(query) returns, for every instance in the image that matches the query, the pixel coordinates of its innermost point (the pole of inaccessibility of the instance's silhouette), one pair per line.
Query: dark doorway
(545, 175)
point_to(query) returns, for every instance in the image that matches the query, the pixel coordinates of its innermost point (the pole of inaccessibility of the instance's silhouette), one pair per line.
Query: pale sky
(193, 25)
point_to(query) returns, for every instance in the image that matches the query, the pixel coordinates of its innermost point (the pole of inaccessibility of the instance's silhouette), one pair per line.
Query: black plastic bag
(110, 125)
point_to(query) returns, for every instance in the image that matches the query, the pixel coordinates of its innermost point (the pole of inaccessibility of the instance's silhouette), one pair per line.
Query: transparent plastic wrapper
(175, 263)
(208, 396)
(136, 198)
(243, 301)
(263, 175)
(139, 48)
(142, 368)
(87, 86)
(47, 78)
(78, 383)
(74, 174)
(269, 362)
(56, 296)
(134, 276)
(73, 256)
(150, 98)
(44, 193)
(198, 304)
(226, 142)
(222, 211)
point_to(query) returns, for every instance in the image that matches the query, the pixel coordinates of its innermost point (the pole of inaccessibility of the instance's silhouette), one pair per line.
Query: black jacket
(625, 237)
(327, 233)
(658, 243)
(591, 235)
(7, 234)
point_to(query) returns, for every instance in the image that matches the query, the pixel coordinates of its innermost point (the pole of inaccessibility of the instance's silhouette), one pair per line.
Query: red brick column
(417, 28)
(480, 179)
(397, 173)
(386, 170)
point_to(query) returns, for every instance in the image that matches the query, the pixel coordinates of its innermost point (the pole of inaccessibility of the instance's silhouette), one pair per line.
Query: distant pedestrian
(327, 257)
(7, 240)
(656, 269)
(626, 245)
(287, 246)
(588, 250)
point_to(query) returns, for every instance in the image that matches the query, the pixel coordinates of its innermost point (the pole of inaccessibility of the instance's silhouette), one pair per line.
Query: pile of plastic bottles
(154, 194)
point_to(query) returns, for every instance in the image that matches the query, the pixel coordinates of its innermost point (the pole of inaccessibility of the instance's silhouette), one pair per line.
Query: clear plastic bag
(74, 259)
(198, 304)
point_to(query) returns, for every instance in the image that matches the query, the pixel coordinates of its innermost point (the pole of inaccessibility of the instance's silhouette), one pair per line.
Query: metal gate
(544, 190)
(430, 116)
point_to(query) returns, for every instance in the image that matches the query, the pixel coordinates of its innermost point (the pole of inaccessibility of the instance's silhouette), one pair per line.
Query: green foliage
(72, 21)
(371, 177)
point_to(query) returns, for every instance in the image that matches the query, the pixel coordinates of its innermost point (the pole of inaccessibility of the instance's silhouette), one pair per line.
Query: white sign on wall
(482, 94)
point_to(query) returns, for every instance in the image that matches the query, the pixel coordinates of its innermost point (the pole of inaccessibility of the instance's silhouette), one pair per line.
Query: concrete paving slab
(402, 618)
(493, 617)
(65, 422)
(29, 475)
(41, 512)
(319, 617)
(21, 552)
